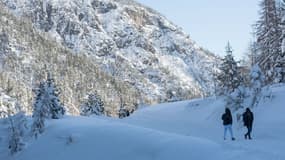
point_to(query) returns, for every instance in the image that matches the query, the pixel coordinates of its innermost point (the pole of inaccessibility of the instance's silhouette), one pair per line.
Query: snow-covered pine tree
(228, 78)
(92, 106)
(252, 51)
(40, 111)
(256, 82)
(38, 126)
(56, 109)
(269, 40)
(236, 99)
(46, 105)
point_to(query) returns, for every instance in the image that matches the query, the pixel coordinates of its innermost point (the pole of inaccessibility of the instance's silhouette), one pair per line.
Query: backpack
(246, 118)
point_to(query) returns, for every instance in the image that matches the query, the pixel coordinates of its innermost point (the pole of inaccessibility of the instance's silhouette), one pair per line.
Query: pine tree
(253, 53)
(269, 40)
(256, 82)
(47, 105)
(40, 112)
(253, 49)
(228, 78)
(55, 107)
(93, 106)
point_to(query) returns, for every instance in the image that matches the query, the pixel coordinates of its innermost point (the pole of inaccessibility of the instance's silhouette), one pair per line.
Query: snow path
(202, 118)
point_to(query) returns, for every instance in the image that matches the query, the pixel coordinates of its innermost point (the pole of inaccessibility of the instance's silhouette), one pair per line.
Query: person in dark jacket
(247, 117)
(227, 122)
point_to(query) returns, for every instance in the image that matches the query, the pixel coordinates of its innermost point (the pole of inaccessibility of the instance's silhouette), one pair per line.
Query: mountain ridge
(128, 41)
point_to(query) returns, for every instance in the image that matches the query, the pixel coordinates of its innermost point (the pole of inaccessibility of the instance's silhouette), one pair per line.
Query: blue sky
(211, 23)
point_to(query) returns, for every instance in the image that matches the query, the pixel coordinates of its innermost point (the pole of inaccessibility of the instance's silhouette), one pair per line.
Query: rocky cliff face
(125, 40)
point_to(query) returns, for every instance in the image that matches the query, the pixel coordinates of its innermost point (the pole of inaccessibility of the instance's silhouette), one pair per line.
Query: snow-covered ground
(190, 130)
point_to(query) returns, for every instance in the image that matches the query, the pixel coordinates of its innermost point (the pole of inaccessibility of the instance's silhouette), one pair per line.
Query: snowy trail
(201, 118)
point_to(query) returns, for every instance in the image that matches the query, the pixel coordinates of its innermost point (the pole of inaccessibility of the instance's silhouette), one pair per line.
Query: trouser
(226, 129)
(249, 129)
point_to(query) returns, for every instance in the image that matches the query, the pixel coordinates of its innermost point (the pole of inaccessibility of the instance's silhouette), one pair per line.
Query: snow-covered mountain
(25, 62)
(183, 130)
(128, 41)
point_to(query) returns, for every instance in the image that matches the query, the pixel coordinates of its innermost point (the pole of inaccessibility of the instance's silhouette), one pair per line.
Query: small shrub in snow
(123, 112)
(21, 123)
(18, 128)
(16, 143)
(69, 140)
(237, 98)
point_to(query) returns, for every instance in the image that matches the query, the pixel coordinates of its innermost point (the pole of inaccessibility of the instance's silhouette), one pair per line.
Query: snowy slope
(183, 130)
(103, 139)
(202, 119)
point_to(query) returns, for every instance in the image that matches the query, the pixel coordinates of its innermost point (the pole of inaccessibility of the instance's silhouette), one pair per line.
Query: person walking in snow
(227, 122)
(247, 117)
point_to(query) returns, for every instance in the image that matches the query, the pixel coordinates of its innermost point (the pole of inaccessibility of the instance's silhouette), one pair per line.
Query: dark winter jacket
(227, 117)
(247, 117)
